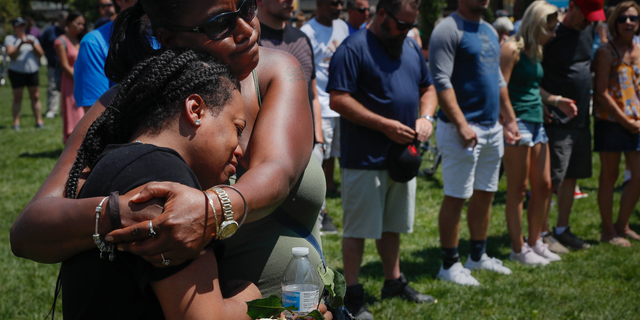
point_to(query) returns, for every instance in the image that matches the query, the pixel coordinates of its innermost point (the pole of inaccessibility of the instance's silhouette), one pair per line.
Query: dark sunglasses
(222, 25)
(335, 3)
(623, 19)
(362, 10)
(401, 25)
(106, 5)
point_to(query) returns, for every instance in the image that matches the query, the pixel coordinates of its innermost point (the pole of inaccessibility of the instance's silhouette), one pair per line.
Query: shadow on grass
(2, 127)
(54, 154)
(428, 260)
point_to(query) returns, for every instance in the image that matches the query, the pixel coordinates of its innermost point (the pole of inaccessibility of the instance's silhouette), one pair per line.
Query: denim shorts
(613, 137)
(532, 133)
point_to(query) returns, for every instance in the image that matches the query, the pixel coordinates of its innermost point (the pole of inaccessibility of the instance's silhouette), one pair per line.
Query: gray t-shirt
(26, 62)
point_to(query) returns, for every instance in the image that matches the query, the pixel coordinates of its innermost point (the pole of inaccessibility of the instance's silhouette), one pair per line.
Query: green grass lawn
(600, 283)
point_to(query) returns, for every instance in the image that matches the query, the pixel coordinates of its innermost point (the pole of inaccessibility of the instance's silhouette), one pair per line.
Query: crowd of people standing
(358, 90)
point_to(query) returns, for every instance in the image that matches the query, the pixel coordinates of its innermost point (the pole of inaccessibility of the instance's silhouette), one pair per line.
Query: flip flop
(631, 235)
(618, 241)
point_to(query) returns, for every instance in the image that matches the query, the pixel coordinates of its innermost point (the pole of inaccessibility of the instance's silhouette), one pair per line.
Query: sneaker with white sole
(542, 249)
(528, 256)
(458, 274)
(486, 263)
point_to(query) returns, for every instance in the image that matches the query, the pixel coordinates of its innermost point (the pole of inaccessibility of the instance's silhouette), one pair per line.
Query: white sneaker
(542, 249)
(486, 263)
(528, 256)
(458, 274)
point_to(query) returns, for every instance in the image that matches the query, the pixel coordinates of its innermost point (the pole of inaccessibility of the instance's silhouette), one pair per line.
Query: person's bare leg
(449, 221)
(352, 249)
(516, 167)
(328, 165)
(630, 194)
(389, 250)
(16, 105)
(540, 177)
(566, 191)
(479, 213)
(36, 106)
(609, 162)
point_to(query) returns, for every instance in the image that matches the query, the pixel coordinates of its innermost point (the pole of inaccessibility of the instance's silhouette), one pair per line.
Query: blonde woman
(617, 125)
(528, 161)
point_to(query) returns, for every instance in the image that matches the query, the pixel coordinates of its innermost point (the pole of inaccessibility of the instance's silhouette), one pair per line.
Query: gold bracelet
(215, 215)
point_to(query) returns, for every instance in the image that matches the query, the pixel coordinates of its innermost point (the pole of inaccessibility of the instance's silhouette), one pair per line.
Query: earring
(197, 122)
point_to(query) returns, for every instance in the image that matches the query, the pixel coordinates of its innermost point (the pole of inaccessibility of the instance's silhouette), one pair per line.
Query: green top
(524, 89)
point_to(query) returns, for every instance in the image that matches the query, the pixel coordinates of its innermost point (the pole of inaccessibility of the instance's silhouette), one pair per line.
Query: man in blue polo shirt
(464, 57)
(89, 78)
(379, 84)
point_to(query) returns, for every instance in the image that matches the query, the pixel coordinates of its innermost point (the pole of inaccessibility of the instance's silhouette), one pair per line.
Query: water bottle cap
(300, 251)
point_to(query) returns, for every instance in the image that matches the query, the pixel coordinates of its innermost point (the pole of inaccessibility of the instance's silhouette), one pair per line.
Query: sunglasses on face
(362, 10)
(335, 3)
(623, 19)
(222, 25)
(401, 25)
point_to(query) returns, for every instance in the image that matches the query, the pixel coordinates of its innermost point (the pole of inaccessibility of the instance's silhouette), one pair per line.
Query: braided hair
(151, 95)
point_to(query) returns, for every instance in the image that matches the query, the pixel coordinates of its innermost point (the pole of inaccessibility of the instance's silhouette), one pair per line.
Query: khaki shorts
(373, 204)
(331, 136)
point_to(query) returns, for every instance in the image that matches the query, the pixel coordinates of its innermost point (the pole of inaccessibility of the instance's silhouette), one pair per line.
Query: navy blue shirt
(386, 86)
(48, 37)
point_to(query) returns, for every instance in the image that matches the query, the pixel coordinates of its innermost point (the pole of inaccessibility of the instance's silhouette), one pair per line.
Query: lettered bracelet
(244, 217)
(555, 102)
(103, 247)
(215, 216)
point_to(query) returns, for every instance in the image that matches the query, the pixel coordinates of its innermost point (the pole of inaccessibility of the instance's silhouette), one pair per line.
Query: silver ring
(165, 262)
(151, 232)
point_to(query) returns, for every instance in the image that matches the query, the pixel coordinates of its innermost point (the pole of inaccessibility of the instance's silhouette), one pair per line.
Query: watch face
(228, 229)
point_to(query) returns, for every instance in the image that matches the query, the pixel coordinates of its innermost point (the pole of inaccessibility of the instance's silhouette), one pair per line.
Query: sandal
(618, 241)
(631, 235)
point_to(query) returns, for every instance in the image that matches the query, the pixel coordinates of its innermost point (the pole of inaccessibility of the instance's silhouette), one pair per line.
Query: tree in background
(430, 12)
(88, 7)
(8, 11)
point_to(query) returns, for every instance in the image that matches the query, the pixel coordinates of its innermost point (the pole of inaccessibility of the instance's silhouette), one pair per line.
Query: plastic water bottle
(300, 285)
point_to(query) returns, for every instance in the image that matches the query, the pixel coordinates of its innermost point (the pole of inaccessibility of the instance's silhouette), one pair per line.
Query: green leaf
(327, 279)
(266, 308)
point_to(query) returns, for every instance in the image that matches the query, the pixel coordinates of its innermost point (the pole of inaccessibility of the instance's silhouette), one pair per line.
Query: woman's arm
(61, 51)
(37, 49)
(602, 66)
(195, 293)
(282, 137)
(509, 56)
(14, 51)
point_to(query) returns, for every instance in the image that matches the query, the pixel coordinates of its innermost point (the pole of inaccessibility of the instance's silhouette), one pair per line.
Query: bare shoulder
(277, 65)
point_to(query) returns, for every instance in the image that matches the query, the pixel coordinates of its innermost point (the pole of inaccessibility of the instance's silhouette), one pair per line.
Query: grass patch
(600, 283)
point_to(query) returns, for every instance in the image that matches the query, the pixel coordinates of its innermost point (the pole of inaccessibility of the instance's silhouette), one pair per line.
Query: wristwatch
(229, 226)
(428, 117)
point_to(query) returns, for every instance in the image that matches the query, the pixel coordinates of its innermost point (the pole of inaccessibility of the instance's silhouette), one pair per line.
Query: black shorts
(20, 80)
(613, 137)
(570, 153)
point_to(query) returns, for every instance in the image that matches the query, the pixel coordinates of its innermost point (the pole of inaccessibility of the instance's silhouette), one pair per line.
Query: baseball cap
(404, 161)
(591, 9)
(18, 21)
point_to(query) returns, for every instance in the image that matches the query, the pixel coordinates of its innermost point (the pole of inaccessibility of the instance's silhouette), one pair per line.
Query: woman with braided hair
(284, 190)
(170, 111)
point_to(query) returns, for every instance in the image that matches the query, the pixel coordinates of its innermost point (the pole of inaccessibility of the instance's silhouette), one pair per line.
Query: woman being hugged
(617, 125)
(66, 47)
(529, 160)
(281, 195)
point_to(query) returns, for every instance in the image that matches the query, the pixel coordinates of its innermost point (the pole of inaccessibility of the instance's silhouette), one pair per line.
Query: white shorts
(373, 204)
(331, 136)
(467, 169)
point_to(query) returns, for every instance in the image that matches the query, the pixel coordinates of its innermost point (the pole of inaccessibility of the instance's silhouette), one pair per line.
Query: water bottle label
(302, 300)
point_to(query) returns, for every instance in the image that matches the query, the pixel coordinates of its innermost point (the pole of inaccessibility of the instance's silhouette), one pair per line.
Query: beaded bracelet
(246, 209)
(103, 247)
(215, 216)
